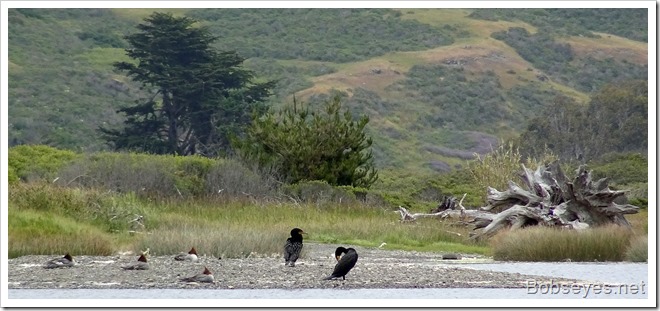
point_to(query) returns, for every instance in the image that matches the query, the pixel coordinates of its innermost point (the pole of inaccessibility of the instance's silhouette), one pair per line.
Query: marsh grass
(45, 217)
(638, 250)
(45, 233)
(239, 230)
(608, 243)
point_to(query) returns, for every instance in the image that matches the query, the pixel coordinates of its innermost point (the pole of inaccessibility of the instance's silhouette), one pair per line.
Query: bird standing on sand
(141, 264)
(293, 246)
(204, 277)
(66, 261)
(344, 263)
(190, 256)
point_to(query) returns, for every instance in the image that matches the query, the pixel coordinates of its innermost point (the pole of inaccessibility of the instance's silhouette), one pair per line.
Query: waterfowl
(66, 261)
(204, 277)
(344, 263)
(190, 256)
(141, 264)
(293, 247)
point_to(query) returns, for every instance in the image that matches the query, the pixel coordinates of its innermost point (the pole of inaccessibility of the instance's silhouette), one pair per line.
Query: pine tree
(301, 145)
(200, 96)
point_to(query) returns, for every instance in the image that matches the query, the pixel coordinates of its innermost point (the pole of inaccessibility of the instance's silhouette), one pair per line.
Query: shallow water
(417, 293)
(631, 277)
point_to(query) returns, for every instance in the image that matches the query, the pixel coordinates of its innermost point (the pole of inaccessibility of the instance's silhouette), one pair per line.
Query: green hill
(437, 84)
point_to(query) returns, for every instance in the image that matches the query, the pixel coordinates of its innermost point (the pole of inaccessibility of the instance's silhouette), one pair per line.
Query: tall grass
(47, 233)
(226, 229)
(607, 243)
(638, 250)
(502, 165)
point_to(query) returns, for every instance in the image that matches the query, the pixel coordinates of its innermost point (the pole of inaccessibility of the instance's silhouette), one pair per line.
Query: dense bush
(161, 176)
(319, 192)
(37, 162)
(622, 168)
(304, 144)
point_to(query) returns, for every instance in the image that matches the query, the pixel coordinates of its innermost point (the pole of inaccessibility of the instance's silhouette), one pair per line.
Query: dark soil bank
(376, 268)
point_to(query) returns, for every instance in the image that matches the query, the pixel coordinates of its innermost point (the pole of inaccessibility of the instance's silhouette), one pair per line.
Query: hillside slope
(438, 84)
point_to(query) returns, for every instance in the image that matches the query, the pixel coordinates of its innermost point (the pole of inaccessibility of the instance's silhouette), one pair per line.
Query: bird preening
(344, 263)
(293, 247)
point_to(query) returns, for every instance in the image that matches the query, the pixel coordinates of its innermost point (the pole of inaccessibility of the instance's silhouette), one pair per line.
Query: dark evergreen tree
(200, 96)
(301, 145)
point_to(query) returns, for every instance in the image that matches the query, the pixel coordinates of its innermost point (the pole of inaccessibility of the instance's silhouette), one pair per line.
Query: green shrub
(319, 192)
(37, 162)
(12, 177)
(301, 144)
(622, 168)
(164, 176)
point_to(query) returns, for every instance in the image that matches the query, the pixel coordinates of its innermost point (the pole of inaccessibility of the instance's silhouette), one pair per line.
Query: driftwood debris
(448, 209)
(548, 198)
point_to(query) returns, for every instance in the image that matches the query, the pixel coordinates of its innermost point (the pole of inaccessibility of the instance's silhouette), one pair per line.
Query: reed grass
(45, 233)
(242, 230)
(607, 243)
(230, 229)
(638, 250)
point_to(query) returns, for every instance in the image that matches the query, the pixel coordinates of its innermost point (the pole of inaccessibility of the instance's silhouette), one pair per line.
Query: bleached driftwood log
(550, 199)
(447, 209)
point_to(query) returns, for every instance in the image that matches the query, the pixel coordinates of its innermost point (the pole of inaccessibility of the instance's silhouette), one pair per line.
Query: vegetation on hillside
(558, 60)
(629, 22)
(615, 120)
(336, 35)
(62, 84)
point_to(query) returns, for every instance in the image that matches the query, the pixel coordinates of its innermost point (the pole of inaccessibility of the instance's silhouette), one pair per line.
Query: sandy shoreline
(376, 268)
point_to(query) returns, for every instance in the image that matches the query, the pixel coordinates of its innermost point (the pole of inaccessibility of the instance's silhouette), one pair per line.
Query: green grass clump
(47, 233)
(607, 243)
(638, 250)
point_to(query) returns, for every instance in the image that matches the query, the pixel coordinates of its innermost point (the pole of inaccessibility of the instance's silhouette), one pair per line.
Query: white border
(403, 303)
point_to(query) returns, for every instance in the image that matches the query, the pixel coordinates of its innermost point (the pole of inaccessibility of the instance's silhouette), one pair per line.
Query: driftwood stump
(548, 198)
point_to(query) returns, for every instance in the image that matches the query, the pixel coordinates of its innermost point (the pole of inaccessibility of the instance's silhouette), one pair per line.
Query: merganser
(345, 263)
(66, 261)
(141, 264)
(204, 277)
(293, 247)
(190, 256)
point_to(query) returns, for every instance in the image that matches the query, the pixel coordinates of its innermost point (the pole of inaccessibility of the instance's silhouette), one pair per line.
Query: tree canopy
(199, 96)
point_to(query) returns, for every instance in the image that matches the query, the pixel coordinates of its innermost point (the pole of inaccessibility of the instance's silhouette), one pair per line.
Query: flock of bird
(292, 249)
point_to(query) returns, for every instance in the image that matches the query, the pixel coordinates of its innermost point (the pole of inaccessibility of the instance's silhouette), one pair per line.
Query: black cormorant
(344, 263)
(293, 246)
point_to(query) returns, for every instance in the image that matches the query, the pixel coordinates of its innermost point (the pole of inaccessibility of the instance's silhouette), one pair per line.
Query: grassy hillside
(438, 84)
